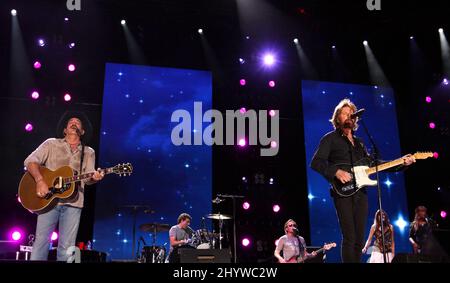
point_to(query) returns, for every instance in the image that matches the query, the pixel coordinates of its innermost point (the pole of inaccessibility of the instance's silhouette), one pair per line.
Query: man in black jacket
(341, 146)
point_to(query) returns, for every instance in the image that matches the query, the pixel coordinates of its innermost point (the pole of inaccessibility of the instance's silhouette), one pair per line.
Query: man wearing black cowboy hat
(74, 129)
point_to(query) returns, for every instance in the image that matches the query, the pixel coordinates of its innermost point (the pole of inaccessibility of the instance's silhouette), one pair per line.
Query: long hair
(416, 216)
(287, 223)
(377, 220)
(337, 110)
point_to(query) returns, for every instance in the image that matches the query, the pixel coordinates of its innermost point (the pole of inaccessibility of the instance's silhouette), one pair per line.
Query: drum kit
(200, 239)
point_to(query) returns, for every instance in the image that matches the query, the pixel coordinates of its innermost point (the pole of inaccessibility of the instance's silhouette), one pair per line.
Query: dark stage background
(164, 34)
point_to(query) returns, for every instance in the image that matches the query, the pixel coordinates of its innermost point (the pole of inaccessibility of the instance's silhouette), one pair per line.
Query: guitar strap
(81, 159)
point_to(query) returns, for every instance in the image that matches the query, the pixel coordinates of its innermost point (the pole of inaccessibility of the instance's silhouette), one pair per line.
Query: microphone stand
(233, 197)
(375, 157)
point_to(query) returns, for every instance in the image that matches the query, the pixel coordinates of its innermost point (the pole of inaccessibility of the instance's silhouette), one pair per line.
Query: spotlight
(242, 82)
(66, 19)
(123, 22)
(13, 12)
(244, 179)
(54, 236)
(296, 40)
(28, 127)
(365, 42)
(432, 125)
(67, 97)
(411, 37)
(441, 30)
(41, 42)
(272, 83)
(273, 144)
(276, 208)
(71, 67)
(35, 95)
(246, 242)
(200, 31)
(243, 110)
(72, 45)
(242, 142)
(333, 46)
(428, 99)
(445, 81)
(436, 155)
(269, 59)
(443, 214)
(16, 235)
(37, 65)
(246, 205)
(241, 60)
(272, 113)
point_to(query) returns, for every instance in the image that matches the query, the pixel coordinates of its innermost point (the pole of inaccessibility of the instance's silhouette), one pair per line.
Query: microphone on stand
(143, 241)
(357, 113)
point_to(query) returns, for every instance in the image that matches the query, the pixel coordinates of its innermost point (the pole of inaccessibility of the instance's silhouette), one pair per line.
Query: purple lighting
(245, 242)
(242, 143)
(54, 236)
(272, 83)
(443, 214)
(41, 42)
(28, 127)
(246, 205)
(272, 113)
(35, 95)
(445, 81)
(243, 82)
(16, 235)
(71, 67)
(67, 97)
(273, 144)
(269, 59)
(428, 99)
(276, 208)
(432, 125)
(436, 155)
(243, 110)
(37, 65)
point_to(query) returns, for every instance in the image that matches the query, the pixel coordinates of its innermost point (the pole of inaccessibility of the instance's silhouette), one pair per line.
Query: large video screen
(167, 180)
(319, 101)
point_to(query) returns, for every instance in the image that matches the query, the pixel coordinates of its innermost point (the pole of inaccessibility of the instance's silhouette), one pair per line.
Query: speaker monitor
(205, 256)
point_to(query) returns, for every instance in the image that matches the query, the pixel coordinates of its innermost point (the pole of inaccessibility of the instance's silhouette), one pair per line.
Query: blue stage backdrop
(138, 102)
(319, 101)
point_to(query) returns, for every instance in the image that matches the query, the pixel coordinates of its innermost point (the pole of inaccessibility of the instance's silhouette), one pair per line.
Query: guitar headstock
(329, 246)
(423, 155)
(124, 169)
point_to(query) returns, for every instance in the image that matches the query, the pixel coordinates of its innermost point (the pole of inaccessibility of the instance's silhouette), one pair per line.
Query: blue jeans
(69, 220)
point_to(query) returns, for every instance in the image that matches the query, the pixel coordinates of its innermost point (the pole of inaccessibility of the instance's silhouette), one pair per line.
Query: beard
(349, 124)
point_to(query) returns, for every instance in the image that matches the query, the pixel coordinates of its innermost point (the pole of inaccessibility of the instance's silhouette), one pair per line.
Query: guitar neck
(86, 176)
(385, 166)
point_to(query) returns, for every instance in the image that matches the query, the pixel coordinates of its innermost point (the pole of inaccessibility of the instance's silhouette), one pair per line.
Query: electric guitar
(362, 173)
(61, 185)
(299, 259)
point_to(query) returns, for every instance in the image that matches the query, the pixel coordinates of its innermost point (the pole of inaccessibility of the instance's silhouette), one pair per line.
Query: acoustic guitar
(61, 185)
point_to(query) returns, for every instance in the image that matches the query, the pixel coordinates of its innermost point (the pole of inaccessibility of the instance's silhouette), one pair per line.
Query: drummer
(179, 235)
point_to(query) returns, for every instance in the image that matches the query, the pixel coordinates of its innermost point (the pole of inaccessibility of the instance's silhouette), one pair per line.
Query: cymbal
(218, 216)
(154, 227)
